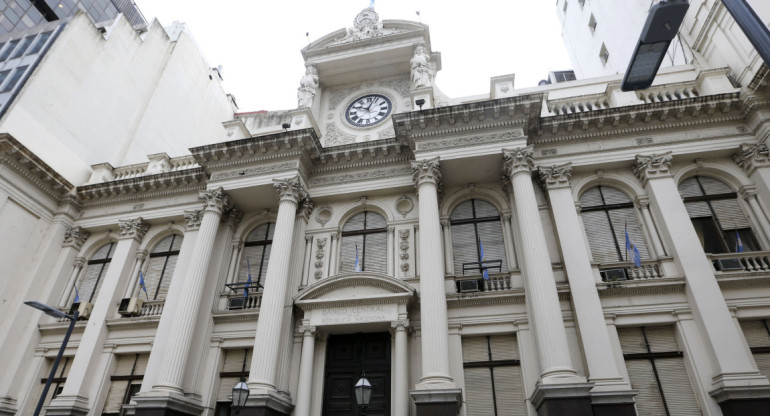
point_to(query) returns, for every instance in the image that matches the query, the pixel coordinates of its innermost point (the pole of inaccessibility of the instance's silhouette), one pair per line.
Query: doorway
(346, 357)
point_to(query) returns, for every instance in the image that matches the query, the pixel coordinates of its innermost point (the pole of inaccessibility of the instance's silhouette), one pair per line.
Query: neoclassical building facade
(568, 249)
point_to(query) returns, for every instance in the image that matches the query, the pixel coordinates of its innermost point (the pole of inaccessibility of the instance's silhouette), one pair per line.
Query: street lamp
(50, 311)
(363, 390)
(240, 395)
(659, 30)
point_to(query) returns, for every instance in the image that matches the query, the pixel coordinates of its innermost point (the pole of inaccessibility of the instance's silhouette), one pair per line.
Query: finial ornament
(290, 189)
(751, 156)
(652, 166)
(366, 25)
(518, 160)
(556, 176)
(426, 171)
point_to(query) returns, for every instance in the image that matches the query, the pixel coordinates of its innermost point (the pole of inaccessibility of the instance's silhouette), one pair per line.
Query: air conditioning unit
(726, 265)
(83, 308)
(237, 303)
(130, 306)
(467, 286)
(614, 275)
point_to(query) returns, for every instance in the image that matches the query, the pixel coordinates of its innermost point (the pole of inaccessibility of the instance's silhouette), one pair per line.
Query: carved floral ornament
(426, 171)
(290, 189)
(75, 236)
(193, 218)
(135, 228)
(215, 199)
(556, 176)
(652, 166)
(518, 160)
(750, 156)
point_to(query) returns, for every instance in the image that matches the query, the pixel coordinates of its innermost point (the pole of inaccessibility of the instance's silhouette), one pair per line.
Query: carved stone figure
(307, 87)
(422, 70)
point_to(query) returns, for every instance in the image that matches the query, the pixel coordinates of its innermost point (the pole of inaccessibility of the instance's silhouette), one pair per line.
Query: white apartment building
(566, 249)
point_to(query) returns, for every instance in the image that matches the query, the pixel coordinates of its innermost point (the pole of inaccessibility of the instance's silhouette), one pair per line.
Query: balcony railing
(754, 261)
(614, 272)
(497, 282)
(244, 296)
(152, 308)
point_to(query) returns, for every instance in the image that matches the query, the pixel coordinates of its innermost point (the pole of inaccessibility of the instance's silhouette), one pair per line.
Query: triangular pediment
(358, 288)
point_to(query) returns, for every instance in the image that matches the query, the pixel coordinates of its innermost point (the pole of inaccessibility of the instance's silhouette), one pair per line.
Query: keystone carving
(652, 166)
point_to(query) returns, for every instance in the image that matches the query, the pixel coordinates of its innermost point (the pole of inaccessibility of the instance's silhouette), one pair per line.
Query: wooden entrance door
(346, 357)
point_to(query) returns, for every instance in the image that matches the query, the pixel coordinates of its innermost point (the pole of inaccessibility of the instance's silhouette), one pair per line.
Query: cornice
(323, 46)
(235, 316)
(640, 118)
(24, 162)
(504, 113)
(162, 184)
(133, 322)
(641, 287)
(366, 154)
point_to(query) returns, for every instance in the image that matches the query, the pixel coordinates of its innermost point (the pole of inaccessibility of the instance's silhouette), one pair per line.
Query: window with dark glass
(235, 368)
(475, 224)
(59, 378)
(15, 77)
(23, 47)
(757, 335)
(256, 255)
(493, 382)
(96, 268)
(9, 49)
(657, 372)
(160, 267)
(364, 236)
(41, 40)
(716, 215)
(125, 382)
(607, 213)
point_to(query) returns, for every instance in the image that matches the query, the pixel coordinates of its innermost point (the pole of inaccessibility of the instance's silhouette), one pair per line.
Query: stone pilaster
(643, 204)
(749, 194)
(447, 240)
(610, 390)
(735, 374)
(77, 266)
(401, 368)
(171, 377)
(75, 237)
(262, 377)
(305, 385)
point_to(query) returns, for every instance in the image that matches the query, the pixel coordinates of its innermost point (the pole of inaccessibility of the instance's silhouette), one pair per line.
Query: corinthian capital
(290, 189)
(135, 228)
(556, 176)
(518, 160)
(426, 171)
(214, 200)
(75, 237)
(652, 166)
(193, 219)
(752, 156)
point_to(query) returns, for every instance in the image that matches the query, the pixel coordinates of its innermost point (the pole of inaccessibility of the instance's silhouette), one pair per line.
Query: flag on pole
(738, 243)
(630, 246)
(358, 265)
(77, 295)
(248, 280)
(485, 272)
(142, 285)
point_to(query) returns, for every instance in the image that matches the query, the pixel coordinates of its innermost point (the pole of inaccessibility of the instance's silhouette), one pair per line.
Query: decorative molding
(75, 237)
(335, 137)
(257, 170)
(193, 219)
(751, 156)
(556, 176)
(290, 189)
(305, 208)
(215, 200)
(642, 203)
(79, 262)
(517, 160)
(129, 189)
(426, 171)
(320, 253)
(652, 166)
(24, 162)
(404, 205)
(141, 255)
(401, 323)
(232, 216)
(403, 245)
(307, 329)
(360, 176)
(135, 228)
(471, 140)
(323, 215)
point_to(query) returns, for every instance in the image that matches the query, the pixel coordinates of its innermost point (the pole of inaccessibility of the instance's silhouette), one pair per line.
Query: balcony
(234, 299)
(626, 270)
(749, 262)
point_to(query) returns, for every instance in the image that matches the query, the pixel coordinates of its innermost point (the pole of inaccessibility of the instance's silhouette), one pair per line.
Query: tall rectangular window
(656, 368)
(235, 368)
(7, 51)
(17, 73)
(493, 383)
(41, 40)
(757, 335)
(59, 378)
(23, 47)
(125, 382)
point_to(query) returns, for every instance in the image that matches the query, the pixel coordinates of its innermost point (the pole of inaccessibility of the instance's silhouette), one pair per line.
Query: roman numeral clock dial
(368, 110)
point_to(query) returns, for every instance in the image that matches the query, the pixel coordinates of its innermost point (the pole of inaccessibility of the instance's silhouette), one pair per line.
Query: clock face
(368, 110)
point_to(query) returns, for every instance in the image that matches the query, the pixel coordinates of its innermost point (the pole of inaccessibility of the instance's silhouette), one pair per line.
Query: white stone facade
(293, 244)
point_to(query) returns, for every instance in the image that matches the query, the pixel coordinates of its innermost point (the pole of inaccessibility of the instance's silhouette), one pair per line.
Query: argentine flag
(248, 280)
(738, 243)
(141, 284)
(634, 250)
(485, 272)
(358, 265)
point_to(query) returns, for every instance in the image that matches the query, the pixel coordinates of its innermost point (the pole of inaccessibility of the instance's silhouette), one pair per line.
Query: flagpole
(625, 225)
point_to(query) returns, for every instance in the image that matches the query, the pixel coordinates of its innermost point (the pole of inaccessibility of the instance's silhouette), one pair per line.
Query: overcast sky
(258, 42)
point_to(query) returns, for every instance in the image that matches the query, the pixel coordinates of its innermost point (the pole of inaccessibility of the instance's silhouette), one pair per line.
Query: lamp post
(363, 390)
(50, 311)
(240, 395)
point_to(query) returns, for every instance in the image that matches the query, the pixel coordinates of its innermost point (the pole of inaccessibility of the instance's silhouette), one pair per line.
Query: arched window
(161, 267)
(365, 236)
(96, 268)
(607, 214)
(475, 224)
(716, 215)
(256, 254)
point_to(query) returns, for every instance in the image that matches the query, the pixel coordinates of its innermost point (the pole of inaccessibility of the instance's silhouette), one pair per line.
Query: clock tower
(357, 78)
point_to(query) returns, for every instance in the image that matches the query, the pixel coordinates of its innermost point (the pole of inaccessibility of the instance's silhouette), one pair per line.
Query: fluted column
(597, 347)
(540, 286)
(171, 376)
(644, 207)
(77, 266)
(433, 312)
(732, 361)
(305, 386)
(306, 267)
(262, 377)
(333, 248)
(401, 379)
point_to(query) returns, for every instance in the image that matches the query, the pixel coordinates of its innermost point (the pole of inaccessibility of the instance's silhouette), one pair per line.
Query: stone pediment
(354, 289)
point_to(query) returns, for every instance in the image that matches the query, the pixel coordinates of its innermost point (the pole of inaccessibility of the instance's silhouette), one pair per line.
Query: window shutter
(600, 237)
(475, 349)
(153, 275)
(115, 396)
(614, 196)
(509, 391)
(631, 341)
(661, 339)
(166, 278)
(356, 223)
(729, 214)
(756, 334)
(89, 286)
(141, 364)
(648, 399)
(676, 386)
(164, 245)
(463, 211)
(689, 187)
(504, 347)
(348, 252)
(591, 198)
(375, 259)
(375, 220)
(714, 186)
(698, 209)
(485, 209)
(625, 218)
(478, 392)
(226, 385)
(464, 248)
(491, 235)
(235, 362)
